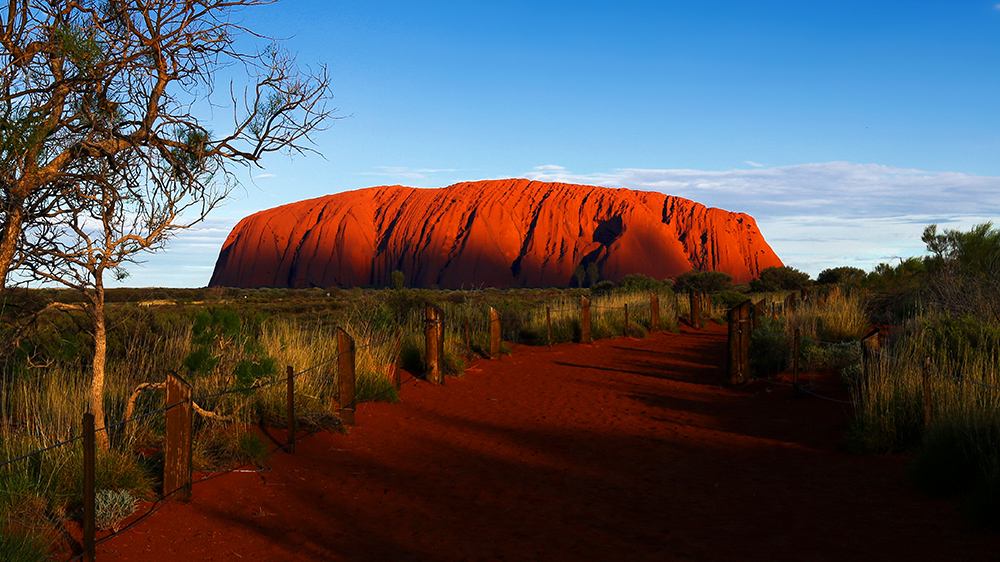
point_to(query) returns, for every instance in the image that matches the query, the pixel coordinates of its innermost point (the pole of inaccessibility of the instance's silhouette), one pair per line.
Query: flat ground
(627, 449)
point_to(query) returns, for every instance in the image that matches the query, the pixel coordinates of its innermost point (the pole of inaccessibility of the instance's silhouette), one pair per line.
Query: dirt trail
(623, 450)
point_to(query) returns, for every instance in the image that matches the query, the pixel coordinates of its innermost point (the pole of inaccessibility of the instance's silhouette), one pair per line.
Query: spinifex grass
(42, 401)
(958, 449)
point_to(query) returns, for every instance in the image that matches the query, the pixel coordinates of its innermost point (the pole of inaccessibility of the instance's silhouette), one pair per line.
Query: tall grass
(41, 402)
(830, 327)
(958, 451)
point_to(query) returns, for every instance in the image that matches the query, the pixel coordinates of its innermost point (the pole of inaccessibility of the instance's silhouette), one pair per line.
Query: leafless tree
(102, 155)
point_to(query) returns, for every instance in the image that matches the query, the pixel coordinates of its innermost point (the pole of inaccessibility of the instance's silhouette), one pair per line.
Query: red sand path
(624, 450)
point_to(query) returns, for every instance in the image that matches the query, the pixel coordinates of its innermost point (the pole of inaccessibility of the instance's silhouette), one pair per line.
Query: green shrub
(16, 547)
(782, 278)
(769, 348)
(729, 298)
(705, 281)
(602, 288)
(112, 507)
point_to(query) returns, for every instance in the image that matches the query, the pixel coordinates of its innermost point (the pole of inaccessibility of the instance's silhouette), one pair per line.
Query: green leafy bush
(769, 348)
(706, 281)
(782, 278)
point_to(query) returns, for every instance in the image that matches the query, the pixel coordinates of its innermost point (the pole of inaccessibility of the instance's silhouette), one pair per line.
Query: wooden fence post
(928, 403)
(694, 298)
(758, 313)
(468, 338)
(746, 323)
(585, 320)
(677, 311)
(433, 345)
(796, 341)
(791, 303)
(89, 488)
(548, 324)
(345, 377)
(870, 346)
(625, 330)
(290, 408)
(654, 312)
(495, 336)
(177, 447)
(739, 343)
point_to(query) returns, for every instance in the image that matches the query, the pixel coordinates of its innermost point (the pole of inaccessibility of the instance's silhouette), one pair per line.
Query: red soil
(496, 233)
(624, 450)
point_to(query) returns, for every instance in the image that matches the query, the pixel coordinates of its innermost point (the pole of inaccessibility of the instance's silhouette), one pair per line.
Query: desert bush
(112, 507)
(849, 276)
(728, 298)
(769, 348)
(783, 278)
(16, 547)
(705, 281)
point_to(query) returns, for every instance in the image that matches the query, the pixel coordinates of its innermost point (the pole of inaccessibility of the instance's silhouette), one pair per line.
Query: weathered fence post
(548, 325)
(468, 338)
(345, 377)
(290, 408)
(433, 334)
(654, 312)
(796, 341)
(677, 311)
(625, 330)
(791, 303)
(495, 336)
(870, 345)
(89, 487)
(928, 403)
(585, 320)
(177, 448)
(739, 343)
(694, 298)
(758, 313)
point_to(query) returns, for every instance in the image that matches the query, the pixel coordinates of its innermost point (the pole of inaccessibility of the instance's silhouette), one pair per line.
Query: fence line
(90, 541)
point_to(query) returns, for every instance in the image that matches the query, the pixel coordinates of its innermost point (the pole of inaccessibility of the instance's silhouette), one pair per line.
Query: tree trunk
(100, 359)
(11, 233)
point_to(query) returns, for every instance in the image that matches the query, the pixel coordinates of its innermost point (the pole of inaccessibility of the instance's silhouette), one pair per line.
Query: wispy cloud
(407, 173)
(265, 176)
(753, 164)
(823, 214)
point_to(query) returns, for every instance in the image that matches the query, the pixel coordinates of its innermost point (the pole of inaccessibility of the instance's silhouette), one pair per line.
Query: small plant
(16, 547)
(397, 279)
(769, 348)
(113, 507)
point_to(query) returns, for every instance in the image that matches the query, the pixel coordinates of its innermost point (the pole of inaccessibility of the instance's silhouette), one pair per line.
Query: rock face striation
(496, 233)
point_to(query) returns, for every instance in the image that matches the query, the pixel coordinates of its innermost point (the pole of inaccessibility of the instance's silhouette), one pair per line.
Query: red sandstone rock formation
(497, 233)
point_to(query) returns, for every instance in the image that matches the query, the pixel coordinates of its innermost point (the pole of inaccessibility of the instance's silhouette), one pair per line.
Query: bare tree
(93, 79)
(103, 157)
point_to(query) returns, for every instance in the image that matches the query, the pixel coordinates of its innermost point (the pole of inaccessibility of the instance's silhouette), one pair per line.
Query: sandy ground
(627, 449)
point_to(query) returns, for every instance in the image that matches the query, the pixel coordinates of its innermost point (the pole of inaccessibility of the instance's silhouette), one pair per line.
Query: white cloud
(407, 173)
(265, 176)
(823, 214)
(753, 164)
(996, 6)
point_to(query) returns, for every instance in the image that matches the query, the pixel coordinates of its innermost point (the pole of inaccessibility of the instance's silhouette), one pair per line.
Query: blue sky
(843, 127)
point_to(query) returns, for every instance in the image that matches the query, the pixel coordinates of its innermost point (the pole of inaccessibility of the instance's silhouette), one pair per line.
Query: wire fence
(269, 382)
